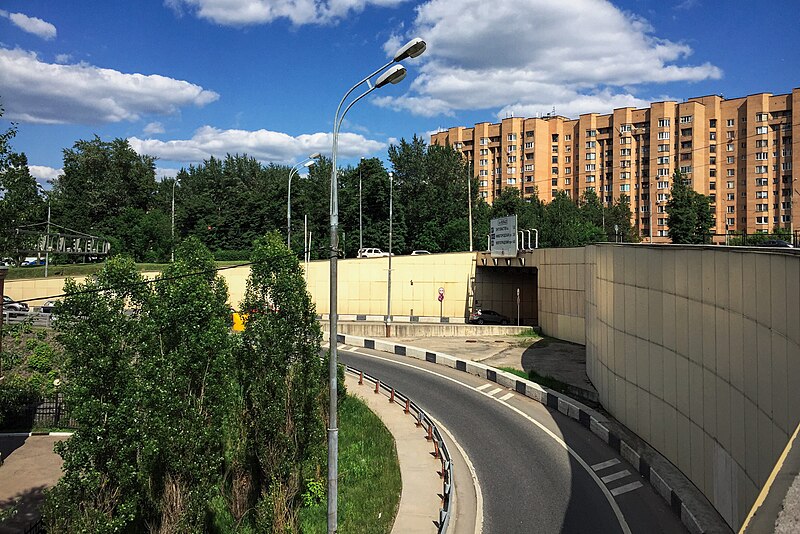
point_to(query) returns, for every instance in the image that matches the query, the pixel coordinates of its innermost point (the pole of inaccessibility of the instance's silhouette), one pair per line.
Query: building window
(483, 172)
(591, 144)
(568, 170)
(686, 169)
(554, 170)
(663, 185)
(730, 160)
(484, 162)
(712, 135)
(511, 170)
(627, 140)
(761, 130)
(529, 168)
(529, 144)
(484, 194)
(712, 123)
(554, 159)
(567, 159)
(663, 160)
(663, 135)
(624, 151)
(762, 220)
(591, 156)
(761, 169)
(762, 207)
(663, 123)
(512, 148)
(761, 194)
(625, 187)
(729, 147)
(591, 167)
(484, 140)
(662, 197)
(511, 159)
(761, 156)
(483, 183)
(786, 218)
(663, 148)
(730, 122)
(686, 119)
(591, 133)
(567, 137)
(762, 117)
(567, 181)
(511, 181)
(762, 181)
(663, 172)
(686, 132)
(512, 137)
(590, 178)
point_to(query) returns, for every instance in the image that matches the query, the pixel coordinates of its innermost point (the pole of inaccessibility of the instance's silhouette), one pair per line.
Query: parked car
(420, 253)
(481, 316)
(13, 307)
(49, 306)
(775, 243)
(372, 253)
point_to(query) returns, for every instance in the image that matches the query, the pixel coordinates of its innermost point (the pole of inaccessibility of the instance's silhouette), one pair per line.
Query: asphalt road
(529, 480)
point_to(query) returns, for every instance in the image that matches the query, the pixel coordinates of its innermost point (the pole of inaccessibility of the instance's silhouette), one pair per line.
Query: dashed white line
(603, 465)
(626, 488)
(494, 391)
(615, 476)
(506, 396)
(481, 388)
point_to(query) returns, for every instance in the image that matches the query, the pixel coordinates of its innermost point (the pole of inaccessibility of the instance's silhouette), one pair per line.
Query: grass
(543, 380)
(369, 475)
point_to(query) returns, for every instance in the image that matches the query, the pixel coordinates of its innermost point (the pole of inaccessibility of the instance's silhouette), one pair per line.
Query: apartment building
(737, 151)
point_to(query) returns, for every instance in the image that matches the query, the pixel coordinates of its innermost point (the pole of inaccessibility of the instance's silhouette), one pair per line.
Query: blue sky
(188, 79)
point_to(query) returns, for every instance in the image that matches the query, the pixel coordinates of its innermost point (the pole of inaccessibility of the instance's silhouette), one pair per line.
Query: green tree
(283, 384)
(689, 213)
(563, 225)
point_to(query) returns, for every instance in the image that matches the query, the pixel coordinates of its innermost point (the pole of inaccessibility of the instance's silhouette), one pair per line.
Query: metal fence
(49, 412)
(440, 451)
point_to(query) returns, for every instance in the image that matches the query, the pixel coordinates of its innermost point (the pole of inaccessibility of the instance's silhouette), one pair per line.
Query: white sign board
(503, 237)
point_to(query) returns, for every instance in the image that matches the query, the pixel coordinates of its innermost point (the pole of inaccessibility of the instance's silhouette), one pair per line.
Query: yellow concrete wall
(562, 280)
(697, 350)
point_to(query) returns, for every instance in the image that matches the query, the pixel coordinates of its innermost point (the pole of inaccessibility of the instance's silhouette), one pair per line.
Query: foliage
(283, 384)
(15, 393)
(690, 217)
(370, 485)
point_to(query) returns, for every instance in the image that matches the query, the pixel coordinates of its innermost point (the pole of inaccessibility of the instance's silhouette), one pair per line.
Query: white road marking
(506, 396)
(615, 476)
(608, 495)
(481, 388)
(626, 488)
(494, 391)
(603, 465)
(475, 482)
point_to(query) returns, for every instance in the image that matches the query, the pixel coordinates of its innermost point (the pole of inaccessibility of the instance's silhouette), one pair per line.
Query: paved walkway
(29, 466)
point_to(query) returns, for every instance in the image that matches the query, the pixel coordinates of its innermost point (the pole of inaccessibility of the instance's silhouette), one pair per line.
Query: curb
(30, 434)
(686, 501)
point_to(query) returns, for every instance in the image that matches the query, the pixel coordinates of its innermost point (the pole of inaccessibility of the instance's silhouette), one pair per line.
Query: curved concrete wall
(697, 350)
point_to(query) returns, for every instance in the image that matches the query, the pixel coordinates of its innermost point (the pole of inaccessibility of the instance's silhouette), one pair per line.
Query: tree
(283, 383)
(689, 213)
(564, 225)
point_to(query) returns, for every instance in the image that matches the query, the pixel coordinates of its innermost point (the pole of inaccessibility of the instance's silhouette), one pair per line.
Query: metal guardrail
(433, 435)
(35, 318)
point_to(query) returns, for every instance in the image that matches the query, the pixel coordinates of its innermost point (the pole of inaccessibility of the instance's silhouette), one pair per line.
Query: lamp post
(389, 274)
(3, 273)
(172, 251)
(308, 162)
(360, 217)
(393, 74)
(471, 170)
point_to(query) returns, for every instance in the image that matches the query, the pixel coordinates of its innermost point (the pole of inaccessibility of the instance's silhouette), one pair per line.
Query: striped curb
(686, 501)
(424, 319)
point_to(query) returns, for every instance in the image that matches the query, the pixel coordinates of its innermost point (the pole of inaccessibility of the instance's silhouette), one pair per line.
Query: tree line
(108, 190)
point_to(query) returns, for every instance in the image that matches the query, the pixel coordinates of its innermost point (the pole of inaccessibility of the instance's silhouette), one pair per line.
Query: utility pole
(360, 217)
(47, 241)
(389, 276)
(3, 273)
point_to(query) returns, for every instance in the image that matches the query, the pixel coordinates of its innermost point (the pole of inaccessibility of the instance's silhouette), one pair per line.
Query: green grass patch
(369, 475)
(543, 380)
(530, 333)
(513, 371)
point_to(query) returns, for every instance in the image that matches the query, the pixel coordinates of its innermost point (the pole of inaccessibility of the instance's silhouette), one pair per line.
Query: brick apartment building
(737, 151)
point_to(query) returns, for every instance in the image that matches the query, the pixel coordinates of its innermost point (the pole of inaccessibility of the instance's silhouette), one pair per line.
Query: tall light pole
(471, 170)
(3, 273)
(360, 217)
(172, 251)
(308, 162)
(394, 74)
(389, 274)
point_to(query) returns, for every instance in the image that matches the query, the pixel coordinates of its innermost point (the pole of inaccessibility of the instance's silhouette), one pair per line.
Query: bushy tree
(689, 213)
(283, 384)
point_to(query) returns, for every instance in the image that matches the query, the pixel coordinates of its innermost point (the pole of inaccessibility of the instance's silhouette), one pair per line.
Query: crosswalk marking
(615, 476)
(492, 393)
(626, 488)
(481, 388)
(506, 396)
(603, 465)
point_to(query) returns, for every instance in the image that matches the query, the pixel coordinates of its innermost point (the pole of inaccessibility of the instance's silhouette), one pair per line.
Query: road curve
(530, 482)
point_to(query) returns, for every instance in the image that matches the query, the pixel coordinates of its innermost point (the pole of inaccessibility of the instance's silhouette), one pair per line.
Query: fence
(439, 447)
(45, 413)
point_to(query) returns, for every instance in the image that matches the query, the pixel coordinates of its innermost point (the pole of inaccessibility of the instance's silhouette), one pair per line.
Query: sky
(184, 80)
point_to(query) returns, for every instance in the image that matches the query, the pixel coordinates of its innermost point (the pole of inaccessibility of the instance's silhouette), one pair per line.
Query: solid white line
(475, 482)
(506, 396)
(481, 388)
(609, 497)
(603, 465)
(626, 488)
(494, 391)
(615, 476)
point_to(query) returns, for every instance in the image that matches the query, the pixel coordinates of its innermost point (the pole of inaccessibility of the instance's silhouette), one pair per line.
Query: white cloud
(36, 26)
(63, 58)
(534, 54)
(264, 145)
(249, 12)
(43, 174)
(164, 172)
(153, 128)
(39, 92)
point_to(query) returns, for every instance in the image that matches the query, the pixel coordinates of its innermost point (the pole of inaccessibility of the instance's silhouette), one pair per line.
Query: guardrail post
(361, 378)
(419, 419)
(391, 396)
(429, 437)
(436, 449)
(408, 406)
(377, 386)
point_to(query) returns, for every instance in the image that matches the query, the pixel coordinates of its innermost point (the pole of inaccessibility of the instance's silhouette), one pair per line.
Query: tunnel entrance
(495, 288)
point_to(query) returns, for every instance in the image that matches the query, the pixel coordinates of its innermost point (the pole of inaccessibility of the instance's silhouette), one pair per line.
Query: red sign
(441, 297)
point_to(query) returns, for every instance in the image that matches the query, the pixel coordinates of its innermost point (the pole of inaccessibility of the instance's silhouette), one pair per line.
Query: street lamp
(3, 273)
(172, 251)
(389, 275)
(391, 74)
(308, 162)
(360, 217)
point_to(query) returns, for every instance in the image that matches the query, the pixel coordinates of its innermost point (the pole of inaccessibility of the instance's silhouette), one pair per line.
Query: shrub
(41, 359)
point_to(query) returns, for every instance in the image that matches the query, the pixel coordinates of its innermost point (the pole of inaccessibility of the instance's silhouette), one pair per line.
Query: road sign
(441, 298)
(503, 237)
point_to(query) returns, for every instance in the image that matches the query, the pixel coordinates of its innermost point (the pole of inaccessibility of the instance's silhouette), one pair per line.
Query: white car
(372, 253)
(420, 253)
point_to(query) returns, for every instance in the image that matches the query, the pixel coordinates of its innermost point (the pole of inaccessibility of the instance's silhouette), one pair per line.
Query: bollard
(361, 378)
(391, 396)
(419, 419)
(377, 386)
(436, 449)
(408, 406)
(429, 437)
